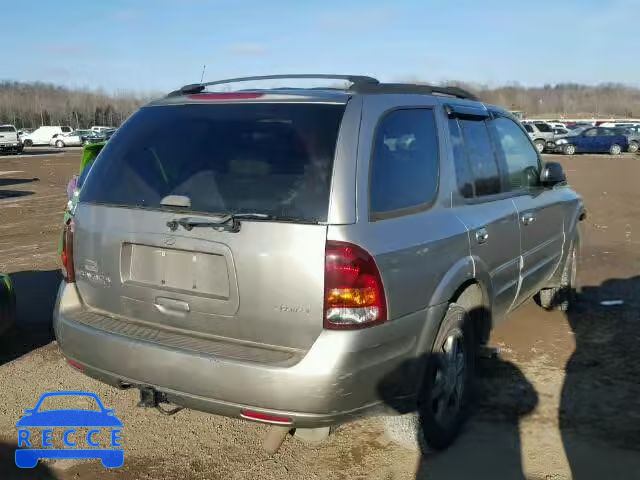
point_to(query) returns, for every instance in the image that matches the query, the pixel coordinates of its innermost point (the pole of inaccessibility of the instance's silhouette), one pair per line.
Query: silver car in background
(302, 257)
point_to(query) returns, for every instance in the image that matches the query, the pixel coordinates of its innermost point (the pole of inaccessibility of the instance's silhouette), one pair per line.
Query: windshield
(275, 159)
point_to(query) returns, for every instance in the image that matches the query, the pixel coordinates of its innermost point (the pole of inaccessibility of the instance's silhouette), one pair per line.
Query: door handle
(482, 235)
(528, 218)
(171, 305)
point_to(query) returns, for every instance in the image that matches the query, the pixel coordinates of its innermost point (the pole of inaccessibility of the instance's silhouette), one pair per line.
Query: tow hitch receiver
(151, 398)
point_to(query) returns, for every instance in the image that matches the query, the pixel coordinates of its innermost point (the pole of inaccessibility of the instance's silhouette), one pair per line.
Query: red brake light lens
(353, 291)
(66, 256)
(265, 417)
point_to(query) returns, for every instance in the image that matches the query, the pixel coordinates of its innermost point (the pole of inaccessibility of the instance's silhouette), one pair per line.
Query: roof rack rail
(415, 88)
(359, 84)
(356, 81)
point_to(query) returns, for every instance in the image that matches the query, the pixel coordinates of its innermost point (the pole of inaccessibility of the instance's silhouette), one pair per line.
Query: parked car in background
(618, 124)
(556, 124)
(174, 256)
(9, 139)
(99, 137)
(43, 135)
(633, 136)
(96, 128)
(540, 134)
(61, 140)
(576, 125)
(24, 131)
(593, 140)
(558, 131)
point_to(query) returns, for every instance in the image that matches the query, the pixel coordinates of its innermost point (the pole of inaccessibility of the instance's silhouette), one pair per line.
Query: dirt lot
(563, 396)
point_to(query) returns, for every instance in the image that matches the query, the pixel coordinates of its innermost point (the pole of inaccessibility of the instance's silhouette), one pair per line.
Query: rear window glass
(7, 129)
(544, 127)
(268, 158)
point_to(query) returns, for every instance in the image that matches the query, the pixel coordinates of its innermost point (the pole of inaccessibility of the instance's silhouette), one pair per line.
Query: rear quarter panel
(415, 252)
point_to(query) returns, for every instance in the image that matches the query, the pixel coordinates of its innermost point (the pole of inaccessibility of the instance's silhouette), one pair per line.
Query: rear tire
(60, 144)
(569, 149)
(28, 143)
(540, 144)
(446, 391)
(615, 149)
(633, 147)
(562, 297)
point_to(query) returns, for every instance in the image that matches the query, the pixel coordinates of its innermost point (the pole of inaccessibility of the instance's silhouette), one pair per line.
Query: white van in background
(43, 135)
(100, 129)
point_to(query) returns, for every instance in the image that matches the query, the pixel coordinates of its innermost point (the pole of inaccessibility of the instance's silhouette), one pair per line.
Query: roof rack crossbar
(356, 80)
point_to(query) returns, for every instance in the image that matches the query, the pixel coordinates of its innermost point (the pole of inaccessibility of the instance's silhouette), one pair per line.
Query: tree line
(565, 100)
(34, 104)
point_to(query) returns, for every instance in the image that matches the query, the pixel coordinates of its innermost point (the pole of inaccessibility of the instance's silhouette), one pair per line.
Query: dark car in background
(633, 136)
(99, 137)
(593, 140)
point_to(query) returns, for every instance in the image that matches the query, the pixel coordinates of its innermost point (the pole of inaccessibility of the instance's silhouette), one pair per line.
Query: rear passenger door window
(481, 156)
(520, 157)
(405, 163)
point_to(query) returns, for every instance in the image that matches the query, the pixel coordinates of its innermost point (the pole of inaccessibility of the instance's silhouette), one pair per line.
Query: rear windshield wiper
(228, 222)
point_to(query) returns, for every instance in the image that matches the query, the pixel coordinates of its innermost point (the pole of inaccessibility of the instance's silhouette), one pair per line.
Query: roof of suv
(358, 85)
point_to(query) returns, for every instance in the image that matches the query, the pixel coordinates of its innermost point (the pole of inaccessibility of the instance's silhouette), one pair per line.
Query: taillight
(353, 291)
(67, 253)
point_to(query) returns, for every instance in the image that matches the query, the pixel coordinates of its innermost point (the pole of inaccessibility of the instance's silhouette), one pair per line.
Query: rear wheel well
(472, 297)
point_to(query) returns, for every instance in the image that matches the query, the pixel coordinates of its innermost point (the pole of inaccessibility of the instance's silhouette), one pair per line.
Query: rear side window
(405, 163)
(544, 127)
(463, 170)
(521, 158)
(269, 158)
(528, 128)
(481, 156)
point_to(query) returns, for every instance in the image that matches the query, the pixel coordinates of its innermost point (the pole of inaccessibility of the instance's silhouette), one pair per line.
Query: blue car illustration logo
(32, 446)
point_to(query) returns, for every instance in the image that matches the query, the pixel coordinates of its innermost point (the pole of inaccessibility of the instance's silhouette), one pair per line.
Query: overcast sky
(156, 45)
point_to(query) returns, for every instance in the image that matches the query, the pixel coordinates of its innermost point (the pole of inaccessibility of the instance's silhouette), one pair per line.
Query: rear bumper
(338, 379)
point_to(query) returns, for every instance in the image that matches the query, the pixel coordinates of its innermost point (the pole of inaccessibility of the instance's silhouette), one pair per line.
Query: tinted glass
(275, 159)
(592, 132)
(66, 129)
(463, 172)
(481, 156)
(404, 167)
(7, 129)
(544, 127)
(520, 156)
(528, 128)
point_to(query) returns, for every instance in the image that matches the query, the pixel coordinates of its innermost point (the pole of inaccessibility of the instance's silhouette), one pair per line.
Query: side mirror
(552, 174)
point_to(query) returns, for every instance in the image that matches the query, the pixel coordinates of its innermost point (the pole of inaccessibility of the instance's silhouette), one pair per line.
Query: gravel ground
(562, 396)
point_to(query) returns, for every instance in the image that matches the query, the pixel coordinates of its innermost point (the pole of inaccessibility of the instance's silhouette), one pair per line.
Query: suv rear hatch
(155, 247)
(8, 136)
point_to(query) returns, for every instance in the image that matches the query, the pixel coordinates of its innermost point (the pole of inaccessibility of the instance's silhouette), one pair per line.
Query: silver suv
(541, 133)
(279, 254)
